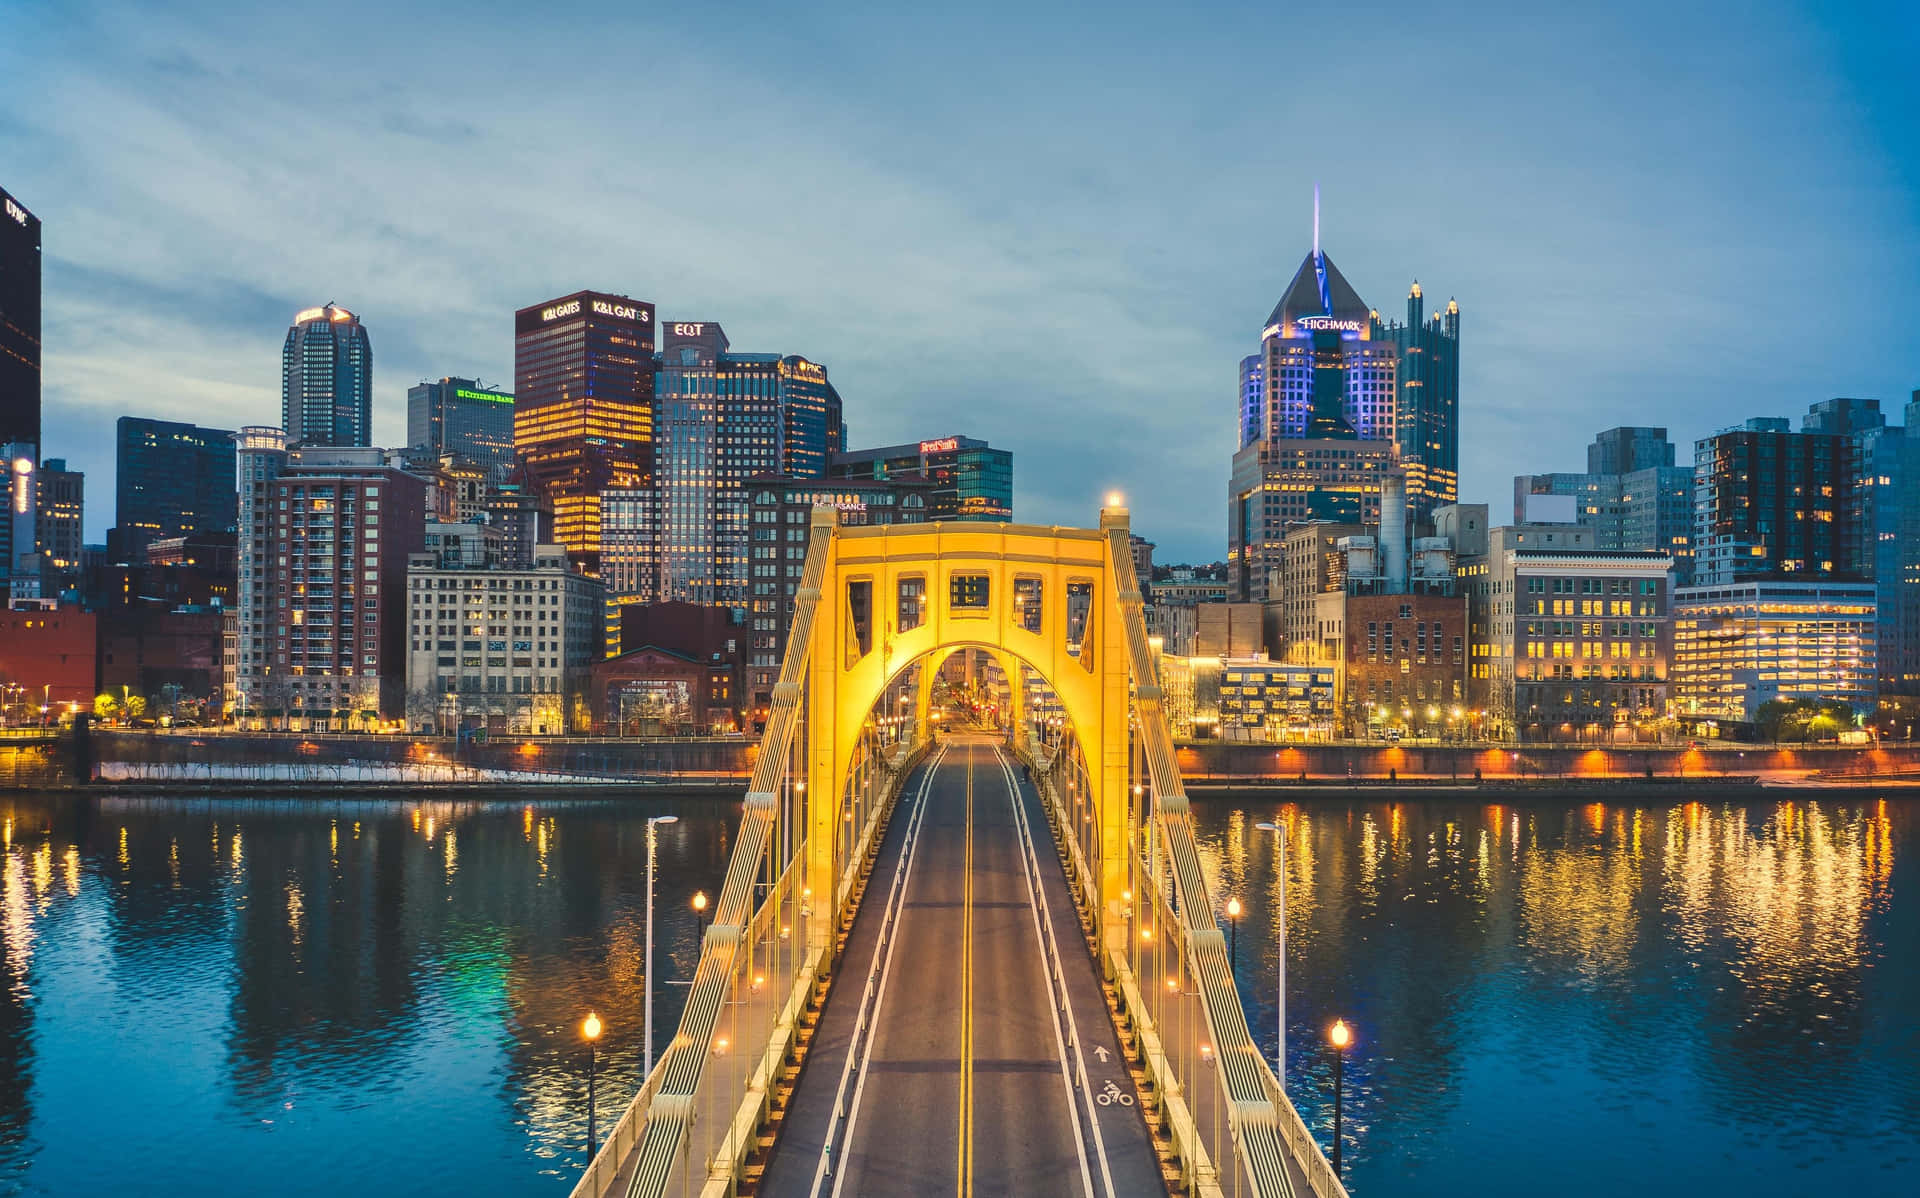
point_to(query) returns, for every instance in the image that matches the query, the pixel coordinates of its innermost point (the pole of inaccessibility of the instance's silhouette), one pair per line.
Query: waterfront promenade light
(1339, 1036)
(1233, 934)
(590, 1031)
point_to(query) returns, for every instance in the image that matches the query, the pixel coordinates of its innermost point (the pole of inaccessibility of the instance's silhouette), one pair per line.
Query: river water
(230, 996)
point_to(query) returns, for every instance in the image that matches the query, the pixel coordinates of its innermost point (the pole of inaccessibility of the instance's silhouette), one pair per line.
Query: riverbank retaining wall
(1216, 760)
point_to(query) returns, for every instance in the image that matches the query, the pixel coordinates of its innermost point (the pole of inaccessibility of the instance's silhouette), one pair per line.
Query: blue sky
(1058, 228)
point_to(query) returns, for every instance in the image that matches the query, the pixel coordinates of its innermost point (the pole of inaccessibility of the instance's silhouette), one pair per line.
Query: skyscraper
(1323, 436)
(326, 379)
(584, 407)
(1427, 402)
(19, 323)
(19, 383)
(460, 416)
(170, 479)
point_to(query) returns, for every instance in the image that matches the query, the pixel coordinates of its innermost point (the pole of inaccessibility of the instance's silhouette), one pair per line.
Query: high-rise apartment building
(19, 323)
(59, 508)
(170, 480)
(1885, 508)
(584, 408)
(324, 546)
(1427, 401)
(970, 479)
(326, 379)
(459, 416)
(1632, 496)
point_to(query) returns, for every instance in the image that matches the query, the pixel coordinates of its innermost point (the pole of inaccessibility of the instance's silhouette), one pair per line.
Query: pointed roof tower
(1318, 289)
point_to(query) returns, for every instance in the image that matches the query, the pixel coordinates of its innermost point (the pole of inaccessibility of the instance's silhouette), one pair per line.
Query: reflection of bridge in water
(972, 1011)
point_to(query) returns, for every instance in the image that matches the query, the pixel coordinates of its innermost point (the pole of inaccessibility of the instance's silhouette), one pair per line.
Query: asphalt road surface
(978, 1072)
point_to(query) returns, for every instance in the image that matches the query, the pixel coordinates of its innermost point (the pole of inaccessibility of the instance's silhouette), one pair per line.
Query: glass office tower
(584, 407)
(170, 480)
(453, 415)
(326, 379)
(1427, 402)
(19, 323)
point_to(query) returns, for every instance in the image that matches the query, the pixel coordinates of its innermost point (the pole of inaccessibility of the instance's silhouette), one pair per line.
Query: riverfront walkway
(980, 1073)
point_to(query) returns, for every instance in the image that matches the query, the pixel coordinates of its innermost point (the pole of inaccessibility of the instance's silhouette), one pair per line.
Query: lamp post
(700, 913)
(1233, 932)
(1339, 1037)
(653, 821)
(590, 1031)
(1280, 956)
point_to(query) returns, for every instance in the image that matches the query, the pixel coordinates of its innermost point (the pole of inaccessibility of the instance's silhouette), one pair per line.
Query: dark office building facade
(1773, 503)
(453, 415)
(583, 417)
(326, 379)
(970, 479)
(170, 480)
(781, 513)
(19, 323)
(1426, 418)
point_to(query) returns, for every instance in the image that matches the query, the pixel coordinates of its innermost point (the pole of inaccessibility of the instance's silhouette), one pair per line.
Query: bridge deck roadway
(970, 1080)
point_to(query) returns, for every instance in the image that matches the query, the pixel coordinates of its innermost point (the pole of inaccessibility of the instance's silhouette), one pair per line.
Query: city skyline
(183, 232)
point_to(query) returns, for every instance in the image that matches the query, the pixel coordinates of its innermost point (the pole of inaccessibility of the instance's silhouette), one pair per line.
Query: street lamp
(700, 912)
(1339, 1037)
(653, 821)
(1280, 979)
(590, 1031)
(1233, 932)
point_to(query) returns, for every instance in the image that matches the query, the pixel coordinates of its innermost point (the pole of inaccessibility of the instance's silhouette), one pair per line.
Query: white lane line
(876, 989)
(1058, 997)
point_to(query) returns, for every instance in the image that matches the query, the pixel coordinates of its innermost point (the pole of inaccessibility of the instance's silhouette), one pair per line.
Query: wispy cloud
(1057, 233)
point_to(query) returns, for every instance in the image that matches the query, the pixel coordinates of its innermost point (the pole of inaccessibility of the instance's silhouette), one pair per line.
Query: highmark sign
(1330, 324)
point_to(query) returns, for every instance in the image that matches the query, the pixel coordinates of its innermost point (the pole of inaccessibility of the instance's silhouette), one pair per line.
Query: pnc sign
(943, 445)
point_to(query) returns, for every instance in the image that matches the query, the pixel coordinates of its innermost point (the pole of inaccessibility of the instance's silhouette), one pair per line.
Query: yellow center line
(964, 1169)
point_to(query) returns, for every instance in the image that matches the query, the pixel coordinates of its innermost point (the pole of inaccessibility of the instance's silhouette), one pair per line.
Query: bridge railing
(1223, 1108)
(698, 1115)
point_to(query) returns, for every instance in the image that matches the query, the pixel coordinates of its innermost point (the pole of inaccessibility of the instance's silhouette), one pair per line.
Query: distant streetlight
(1280, 979)
(653, 821)
(700, 913)
(1339, 1037)
(590, 1031)
(1233, 932)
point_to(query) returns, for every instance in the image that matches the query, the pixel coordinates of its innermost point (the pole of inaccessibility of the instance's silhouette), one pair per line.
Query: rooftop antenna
(1316, 218)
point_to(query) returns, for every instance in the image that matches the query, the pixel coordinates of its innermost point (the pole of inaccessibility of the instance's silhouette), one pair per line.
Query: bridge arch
(891, 596)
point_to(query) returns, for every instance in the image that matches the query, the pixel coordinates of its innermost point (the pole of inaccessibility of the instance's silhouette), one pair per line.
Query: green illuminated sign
(485, 396)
